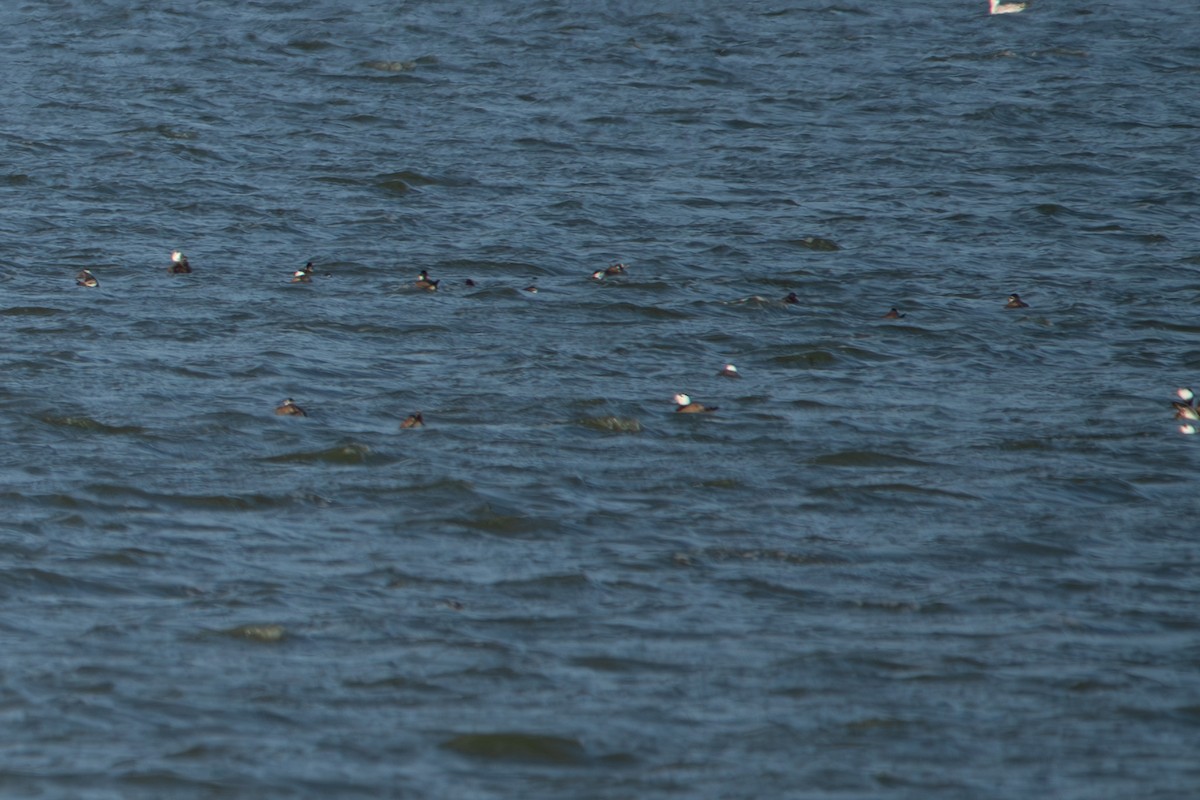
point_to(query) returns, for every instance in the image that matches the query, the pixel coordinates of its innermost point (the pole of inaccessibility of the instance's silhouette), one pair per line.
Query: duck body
(1185, 406)
(608, 272)
(303, 275)
(179, 264)
(685, 405)
(1185, 411)
(424, 282)
(86, 278)
(894, 314)
(288, 408)
(1015, 301)
(413, 421)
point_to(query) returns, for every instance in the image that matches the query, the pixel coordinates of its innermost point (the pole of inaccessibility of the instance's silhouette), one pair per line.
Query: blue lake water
(948, 555)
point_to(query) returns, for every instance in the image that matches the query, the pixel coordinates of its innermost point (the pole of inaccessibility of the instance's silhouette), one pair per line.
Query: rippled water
(951, 555)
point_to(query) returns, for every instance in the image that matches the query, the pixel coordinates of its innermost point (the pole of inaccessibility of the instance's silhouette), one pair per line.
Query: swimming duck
(1015, 301)
(413, 421)
(531, 288)
(684, 405)
(179, 264)
(288, 408)
(615, 269)
(996, 7)
(791, 298)
(1184, 411)
(423, 282)
(1185, 407)
(303, 275)
(86, 278)
(729, 371)
(894, 314)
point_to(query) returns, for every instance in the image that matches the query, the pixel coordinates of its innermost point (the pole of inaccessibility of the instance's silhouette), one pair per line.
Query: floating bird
(288, 408)
(179, 264)
(1185, 407)
(531, 289)
(615, 269)
(469, 283)
(303, 275)
(684, 405)
(86, 278)
(413, 421)
(1184, 411)
(1015, 301)
(791, 298)
(996, 7)
(729, 371)
(423, 282)
(894, 314)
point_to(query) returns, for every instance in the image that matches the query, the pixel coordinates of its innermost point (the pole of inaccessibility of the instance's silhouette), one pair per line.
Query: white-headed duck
(424, 282)
(288, 408)
(684, 405)
(1185, 406)
(179, 264)
(303, 275)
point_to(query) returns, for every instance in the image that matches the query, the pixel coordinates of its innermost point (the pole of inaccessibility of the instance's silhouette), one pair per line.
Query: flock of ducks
(683, 403)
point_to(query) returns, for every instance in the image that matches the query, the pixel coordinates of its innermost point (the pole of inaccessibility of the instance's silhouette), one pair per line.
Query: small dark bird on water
(1015, 301)
(894, 314)
(288, 408)
(413, 421)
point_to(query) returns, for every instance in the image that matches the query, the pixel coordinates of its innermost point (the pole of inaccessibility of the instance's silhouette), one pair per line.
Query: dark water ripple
(942, 556)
